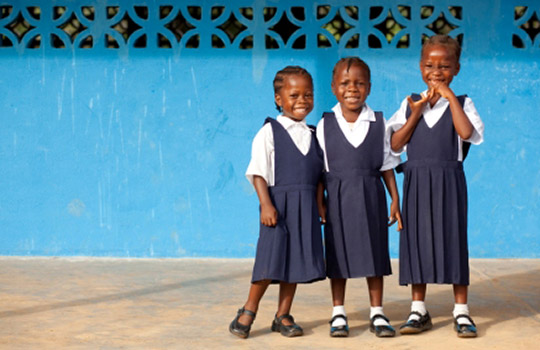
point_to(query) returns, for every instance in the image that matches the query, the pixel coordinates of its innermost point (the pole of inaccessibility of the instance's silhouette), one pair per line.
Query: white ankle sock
(418, 306)
(378, 310)
(338, 310)
(461, 309)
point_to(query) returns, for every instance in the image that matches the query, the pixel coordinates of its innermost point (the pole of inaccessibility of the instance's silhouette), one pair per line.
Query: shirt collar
(366, 115)
(289, 123)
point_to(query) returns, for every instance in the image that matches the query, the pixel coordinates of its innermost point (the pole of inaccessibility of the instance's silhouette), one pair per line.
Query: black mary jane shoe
(340, 331)
(238, 329)
(465, 330)
(416, 326)
(384, 331)
(293, 330)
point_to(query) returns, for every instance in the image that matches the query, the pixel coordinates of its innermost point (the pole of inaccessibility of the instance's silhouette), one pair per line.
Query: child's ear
(457, 69)
(277, 98)
(333, 86)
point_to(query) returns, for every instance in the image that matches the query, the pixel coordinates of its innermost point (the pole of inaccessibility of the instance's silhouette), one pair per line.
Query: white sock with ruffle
(338, 310)
(418, 306)
(461, 309)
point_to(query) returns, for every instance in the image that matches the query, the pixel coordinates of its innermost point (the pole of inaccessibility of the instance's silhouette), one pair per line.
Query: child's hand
(395, 215)
(269, 215)
(443, 90)
(321, 202)
(322, 212)
(417, 106)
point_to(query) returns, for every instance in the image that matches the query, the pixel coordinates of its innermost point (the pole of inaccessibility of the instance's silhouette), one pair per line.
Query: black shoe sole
(289, 334)
(339, 334)
(383, 334)
(412, 330)
(236, 333)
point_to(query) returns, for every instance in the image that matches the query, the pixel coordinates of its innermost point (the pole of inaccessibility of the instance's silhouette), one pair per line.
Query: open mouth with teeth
(436, 81)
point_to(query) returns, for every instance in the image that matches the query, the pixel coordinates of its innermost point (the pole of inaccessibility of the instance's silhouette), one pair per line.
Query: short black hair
(351, 61)
(442, 40)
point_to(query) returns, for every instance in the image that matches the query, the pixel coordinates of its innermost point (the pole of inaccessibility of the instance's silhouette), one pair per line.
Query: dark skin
(439, 66)
(351, 86)
(296, 101)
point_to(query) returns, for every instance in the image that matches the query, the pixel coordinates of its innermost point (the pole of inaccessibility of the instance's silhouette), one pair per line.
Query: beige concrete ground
(49, 303)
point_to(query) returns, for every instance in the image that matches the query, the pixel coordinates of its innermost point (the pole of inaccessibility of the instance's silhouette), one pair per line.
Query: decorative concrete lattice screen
(126, 126)
(247, 25)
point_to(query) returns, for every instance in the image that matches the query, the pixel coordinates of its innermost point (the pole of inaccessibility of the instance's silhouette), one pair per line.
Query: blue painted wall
(141, 151)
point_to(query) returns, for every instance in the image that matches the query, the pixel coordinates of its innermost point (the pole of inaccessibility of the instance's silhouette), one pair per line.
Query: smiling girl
(285, 169)
(357, 155)
(436, 129)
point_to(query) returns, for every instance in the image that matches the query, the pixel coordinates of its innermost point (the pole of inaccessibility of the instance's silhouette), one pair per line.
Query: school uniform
(286, 154)
(433, 242)
(356, 231)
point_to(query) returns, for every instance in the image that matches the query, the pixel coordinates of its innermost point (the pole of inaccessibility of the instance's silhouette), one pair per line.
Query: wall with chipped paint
(141, 152)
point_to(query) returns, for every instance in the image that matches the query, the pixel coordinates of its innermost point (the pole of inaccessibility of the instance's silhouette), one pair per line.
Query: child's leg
(461, 307)
(286, 296)
(460, 293)
(418, 298)
(284, 322)
(338, 291)
(375, 287)
(256, 292)
(419, 319)
(338, 286)
(463, 323)
(419, 292)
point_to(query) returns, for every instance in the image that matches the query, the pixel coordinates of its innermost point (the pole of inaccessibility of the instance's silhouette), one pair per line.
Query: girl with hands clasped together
(436, 128)
(357, 154)
(285, 169)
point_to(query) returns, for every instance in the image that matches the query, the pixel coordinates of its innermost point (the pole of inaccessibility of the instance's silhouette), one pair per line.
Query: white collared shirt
(262, 161)
(432, 116)
(357, 134)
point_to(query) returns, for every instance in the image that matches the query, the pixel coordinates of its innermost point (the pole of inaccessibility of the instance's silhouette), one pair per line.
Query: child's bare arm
(268, 211)
(321, 202)
(462, 124)
(395, 213)
(402, 136)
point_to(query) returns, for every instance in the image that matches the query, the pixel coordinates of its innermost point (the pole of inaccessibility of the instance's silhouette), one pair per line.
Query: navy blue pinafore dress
(356, 232)
(433, 242)
(292, 251)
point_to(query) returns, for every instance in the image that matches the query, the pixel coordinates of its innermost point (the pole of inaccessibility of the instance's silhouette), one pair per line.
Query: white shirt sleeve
(471, 112)
(391, 160)
(320, 138)
(262, 156)
(398, 119)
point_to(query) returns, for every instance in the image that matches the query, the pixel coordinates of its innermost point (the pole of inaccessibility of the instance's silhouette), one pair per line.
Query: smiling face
(438, 65)
(351, 87)
(295, 97)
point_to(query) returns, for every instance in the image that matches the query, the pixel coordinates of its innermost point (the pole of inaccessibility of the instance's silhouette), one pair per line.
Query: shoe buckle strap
(243, 310)
(381, 317)
(338, 316)
(466, 317)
